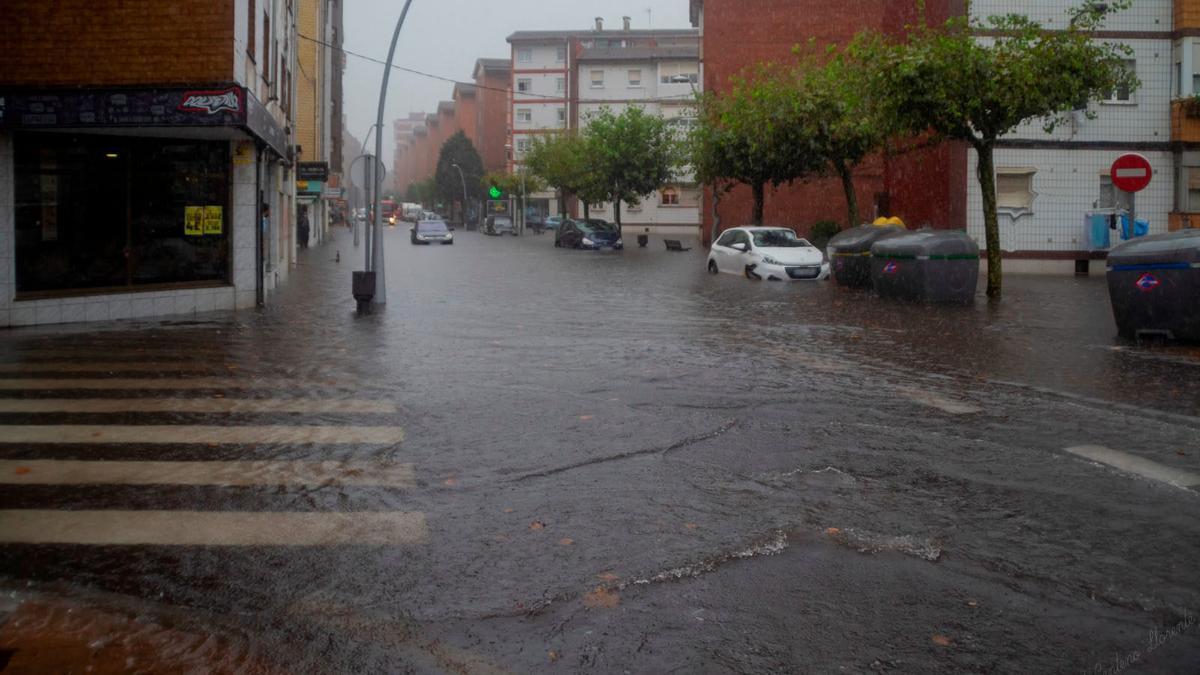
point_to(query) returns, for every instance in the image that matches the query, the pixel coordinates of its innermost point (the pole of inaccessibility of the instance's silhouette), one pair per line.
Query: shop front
(127, 204)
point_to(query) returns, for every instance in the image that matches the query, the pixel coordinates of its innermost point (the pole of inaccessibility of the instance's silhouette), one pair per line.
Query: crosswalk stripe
(200, 528)
(1139, 466)
(104, 433)
(233, 474)
(197, 405)
(115, 383)
(115, 366)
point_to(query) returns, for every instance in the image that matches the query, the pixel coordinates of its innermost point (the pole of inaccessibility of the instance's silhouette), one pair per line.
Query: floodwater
(538, 459)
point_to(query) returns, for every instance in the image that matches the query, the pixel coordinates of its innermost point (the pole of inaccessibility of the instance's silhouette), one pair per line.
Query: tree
(950, 83)
(459, 150)
(749, 135)
(562, 161)
(413, 194)
(629, 155)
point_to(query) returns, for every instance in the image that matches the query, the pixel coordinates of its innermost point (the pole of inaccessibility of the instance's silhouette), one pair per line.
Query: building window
(1192, 203)
(1014, 190)
(524, 85)
(670, 197)
(678, 73)
(522, 146)
(266, 43)
(635, 77)
(561, 56)
(562, 115)
(524, 55)
(524, 115)
(1122, 94)
(597, 79)
(560, 85)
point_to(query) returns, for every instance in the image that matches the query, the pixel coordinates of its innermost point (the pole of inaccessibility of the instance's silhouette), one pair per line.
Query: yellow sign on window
(214, 220)
(193, 221)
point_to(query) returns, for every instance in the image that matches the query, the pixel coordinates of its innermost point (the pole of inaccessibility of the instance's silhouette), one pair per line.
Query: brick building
(492, 82)
(139, 157)
(922, 187)
(317, 80)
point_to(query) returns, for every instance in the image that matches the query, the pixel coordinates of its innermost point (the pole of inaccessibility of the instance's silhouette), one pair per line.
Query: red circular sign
(1131, 173)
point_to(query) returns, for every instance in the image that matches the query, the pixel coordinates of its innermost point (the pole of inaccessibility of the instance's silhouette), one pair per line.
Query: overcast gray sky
(444, 37)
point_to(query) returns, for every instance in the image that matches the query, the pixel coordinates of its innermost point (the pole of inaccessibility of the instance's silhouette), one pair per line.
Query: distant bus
(388, 209)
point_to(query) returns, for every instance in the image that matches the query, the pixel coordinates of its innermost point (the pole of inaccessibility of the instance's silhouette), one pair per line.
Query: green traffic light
(495, 192)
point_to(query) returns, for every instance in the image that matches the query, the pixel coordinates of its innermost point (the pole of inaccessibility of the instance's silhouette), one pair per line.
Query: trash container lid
(1179, 248)
(858, 240)
(928, 244)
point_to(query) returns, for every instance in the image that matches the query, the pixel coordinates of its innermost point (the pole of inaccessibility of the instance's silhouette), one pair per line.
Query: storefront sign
(312, 171)
(214, 220)
(312, 188)
(333, 193)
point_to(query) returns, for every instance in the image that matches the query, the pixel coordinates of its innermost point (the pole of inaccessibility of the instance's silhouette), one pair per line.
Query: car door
(723, 255)
(739, 259)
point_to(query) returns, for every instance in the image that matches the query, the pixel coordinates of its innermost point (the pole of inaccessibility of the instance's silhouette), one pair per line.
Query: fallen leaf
(537, 525)
(509, 510)
(566, 541)
(832, 531)
(607, 576)
(942, 641)
(553, 655)
(972, 603)
(691, 526)
(451, 482)
(22, 470)
(585, 417)
(601, 597)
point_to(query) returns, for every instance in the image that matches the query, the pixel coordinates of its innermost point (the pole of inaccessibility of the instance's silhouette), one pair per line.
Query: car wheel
(712, 267)
(750, 273)
(557, 244)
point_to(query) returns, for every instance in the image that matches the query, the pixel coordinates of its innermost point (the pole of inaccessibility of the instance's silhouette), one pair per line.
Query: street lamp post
(377, 252)
(464, 186)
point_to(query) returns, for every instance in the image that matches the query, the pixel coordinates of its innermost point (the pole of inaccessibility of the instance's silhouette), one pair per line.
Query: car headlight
(587, 242)
(449, 235)
(770, 261)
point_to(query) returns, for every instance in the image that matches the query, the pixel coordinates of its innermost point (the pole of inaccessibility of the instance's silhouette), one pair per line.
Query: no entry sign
(1131, 172)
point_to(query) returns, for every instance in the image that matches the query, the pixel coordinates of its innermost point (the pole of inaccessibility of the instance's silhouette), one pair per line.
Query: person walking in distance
(302, 227)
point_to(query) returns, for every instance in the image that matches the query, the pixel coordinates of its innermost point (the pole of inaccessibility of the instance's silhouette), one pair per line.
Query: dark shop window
(96, 212)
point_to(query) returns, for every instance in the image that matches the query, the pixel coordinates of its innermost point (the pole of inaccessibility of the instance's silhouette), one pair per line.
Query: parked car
(554, 222)
(498, 225)
(431, 232)
(771, 253)
(590, 234)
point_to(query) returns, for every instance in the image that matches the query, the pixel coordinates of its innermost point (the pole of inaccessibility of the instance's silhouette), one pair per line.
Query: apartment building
(137, 166)
(559, 78)
(492, 84)
(318, 82)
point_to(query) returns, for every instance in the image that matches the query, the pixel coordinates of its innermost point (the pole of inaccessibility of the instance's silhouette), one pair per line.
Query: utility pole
(377, 254)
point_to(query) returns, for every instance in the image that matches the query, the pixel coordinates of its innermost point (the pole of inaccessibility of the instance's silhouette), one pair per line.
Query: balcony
(1185, 120)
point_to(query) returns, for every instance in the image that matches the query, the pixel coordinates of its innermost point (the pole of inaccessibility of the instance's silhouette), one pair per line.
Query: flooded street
(546, 460)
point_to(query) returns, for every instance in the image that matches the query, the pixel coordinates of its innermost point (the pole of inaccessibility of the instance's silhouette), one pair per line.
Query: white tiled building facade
(560, 78)
(1046, 183)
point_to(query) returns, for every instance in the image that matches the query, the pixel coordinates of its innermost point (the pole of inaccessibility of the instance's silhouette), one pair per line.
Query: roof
(535, 35)
(463, 89)
(445, 107)
(493, 65)
(640, 53)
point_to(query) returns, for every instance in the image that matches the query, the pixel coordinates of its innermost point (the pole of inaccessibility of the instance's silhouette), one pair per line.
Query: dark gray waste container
(850, 252)
(939, 266)
(1154, 284)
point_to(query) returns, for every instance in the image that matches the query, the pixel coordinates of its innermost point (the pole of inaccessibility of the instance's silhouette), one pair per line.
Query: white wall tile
(185, 303)
(120, 308)
(22, 315)
(142, 307)
(74, 312)
(97, 310)
(5, 318)
(6, 294)
(48, 313)
(225, 300)
(246, 299)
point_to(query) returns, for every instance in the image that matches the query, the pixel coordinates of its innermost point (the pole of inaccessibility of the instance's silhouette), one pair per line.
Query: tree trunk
(586, 211)
(991, 223)
(851, 196)
(617, 213)
(760, 190)
(716, 213)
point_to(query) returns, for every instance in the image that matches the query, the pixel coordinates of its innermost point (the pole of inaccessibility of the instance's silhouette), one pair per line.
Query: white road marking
(116, 366)
(200, 528)
(24, 384)
(246, 473)
(1123, 461)
(103, 433)
(946, 405)
(192, 405)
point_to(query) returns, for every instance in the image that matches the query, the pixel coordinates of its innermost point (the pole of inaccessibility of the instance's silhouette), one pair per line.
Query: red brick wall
(115, 42)
(466, 113)
(927, 187)
(492, 120)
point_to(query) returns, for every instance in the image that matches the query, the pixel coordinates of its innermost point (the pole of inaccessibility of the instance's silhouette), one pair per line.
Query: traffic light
(495, 192)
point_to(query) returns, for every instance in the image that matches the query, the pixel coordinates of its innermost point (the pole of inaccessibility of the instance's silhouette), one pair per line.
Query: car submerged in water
(770, 253)
(431, 232)
(592, 234)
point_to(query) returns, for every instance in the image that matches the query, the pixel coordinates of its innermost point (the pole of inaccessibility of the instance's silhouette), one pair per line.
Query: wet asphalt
(628, 465)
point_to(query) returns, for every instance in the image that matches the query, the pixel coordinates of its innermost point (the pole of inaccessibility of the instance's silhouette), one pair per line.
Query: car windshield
(432, 226)
(778, 239)
(597, 227)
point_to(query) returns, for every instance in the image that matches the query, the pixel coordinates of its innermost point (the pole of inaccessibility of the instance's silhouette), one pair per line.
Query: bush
(822, 232)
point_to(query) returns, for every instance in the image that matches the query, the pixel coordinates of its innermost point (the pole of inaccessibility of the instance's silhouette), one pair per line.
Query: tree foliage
(630, 154)
(952, 82)
(459, 150)
(563, 162)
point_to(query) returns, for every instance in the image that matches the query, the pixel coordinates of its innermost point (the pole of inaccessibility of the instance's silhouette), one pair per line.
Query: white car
(770, 253)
